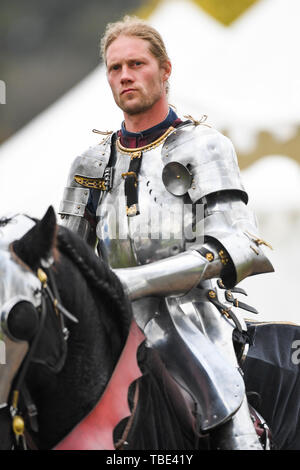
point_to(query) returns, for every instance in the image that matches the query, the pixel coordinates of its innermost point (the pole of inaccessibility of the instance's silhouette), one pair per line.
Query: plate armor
(188, 236)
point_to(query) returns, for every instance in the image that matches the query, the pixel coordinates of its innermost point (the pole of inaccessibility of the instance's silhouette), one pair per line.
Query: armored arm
(73, 207)
(202, 163)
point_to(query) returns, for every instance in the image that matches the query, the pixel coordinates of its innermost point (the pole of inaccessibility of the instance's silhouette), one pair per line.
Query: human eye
(114, 67)
(136, 63)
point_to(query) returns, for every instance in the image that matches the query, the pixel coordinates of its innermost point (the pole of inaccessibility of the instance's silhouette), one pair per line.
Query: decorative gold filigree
(94, 183)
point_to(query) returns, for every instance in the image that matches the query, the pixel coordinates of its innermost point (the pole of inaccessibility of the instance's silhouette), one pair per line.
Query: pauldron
(199, 160)
(88, 171)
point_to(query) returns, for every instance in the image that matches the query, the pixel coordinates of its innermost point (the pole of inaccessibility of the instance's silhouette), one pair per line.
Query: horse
(69, 326)
(78, 346)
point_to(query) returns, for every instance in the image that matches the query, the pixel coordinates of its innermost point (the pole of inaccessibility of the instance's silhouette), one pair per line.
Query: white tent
(244, 77)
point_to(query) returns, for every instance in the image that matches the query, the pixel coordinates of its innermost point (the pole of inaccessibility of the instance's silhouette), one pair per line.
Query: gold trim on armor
(136, 152)
(94, 183)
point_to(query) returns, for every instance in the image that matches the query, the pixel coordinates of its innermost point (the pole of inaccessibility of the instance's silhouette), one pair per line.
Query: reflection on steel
(194, 361)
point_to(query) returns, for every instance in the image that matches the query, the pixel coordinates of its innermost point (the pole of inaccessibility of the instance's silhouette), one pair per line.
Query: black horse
(63, 379)
(66, 378)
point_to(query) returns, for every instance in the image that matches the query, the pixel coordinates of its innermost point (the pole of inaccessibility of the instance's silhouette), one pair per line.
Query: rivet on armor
(209, 256)
(226, 313)
(212, 294)
(223, 256)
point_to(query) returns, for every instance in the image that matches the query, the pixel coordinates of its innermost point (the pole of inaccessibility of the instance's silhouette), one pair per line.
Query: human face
(136, 79)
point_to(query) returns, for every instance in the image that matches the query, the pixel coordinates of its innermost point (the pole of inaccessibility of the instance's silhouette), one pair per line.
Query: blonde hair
(134, 26)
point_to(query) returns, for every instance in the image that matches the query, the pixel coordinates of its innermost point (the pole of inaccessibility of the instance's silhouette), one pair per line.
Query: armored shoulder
(200, 160)
(87, 172)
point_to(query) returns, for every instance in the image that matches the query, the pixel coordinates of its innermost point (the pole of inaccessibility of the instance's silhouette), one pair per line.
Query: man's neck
(147, 119)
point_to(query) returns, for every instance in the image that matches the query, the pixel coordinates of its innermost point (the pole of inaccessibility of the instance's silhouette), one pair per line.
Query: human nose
(126, 75)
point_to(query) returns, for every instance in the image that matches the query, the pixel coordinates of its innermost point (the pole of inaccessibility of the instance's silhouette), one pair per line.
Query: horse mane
(101, 279)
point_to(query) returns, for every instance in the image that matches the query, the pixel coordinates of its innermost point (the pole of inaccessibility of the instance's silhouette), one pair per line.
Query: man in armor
(164, 200)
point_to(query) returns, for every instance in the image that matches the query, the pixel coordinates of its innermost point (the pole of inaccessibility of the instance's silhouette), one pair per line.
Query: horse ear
(38, 243)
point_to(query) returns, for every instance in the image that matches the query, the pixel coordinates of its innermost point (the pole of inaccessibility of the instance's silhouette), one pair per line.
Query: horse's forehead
(13, 228)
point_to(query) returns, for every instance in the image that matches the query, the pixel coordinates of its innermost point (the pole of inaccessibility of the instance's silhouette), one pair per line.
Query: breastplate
(161, 228)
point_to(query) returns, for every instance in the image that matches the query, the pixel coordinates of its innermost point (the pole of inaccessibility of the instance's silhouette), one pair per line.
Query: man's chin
(135, 108)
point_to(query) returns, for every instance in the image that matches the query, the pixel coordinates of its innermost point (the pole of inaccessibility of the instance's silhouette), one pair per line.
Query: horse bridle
(49, 291)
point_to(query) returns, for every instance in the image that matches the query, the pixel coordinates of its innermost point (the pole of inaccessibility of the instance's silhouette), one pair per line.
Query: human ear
(167, 68)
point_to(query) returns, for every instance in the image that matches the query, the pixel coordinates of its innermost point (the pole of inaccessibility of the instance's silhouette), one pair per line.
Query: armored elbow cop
(232, 225)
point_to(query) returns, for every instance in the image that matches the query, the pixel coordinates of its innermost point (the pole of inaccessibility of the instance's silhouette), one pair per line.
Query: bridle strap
(24, 368)
(25, 365)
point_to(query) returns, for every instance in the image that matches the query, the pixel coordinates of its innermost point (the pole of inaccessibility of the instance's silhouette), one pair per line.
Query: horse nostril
(23, 320)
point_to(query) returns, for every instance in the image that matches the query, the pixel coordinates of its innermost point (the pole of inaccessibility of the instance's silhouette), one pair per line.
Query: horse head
(25, 245)
(45, 273)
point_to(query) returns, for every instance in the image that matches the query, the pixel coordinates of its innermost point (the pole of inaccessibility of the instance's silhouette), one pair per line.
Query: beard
(140, 103)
